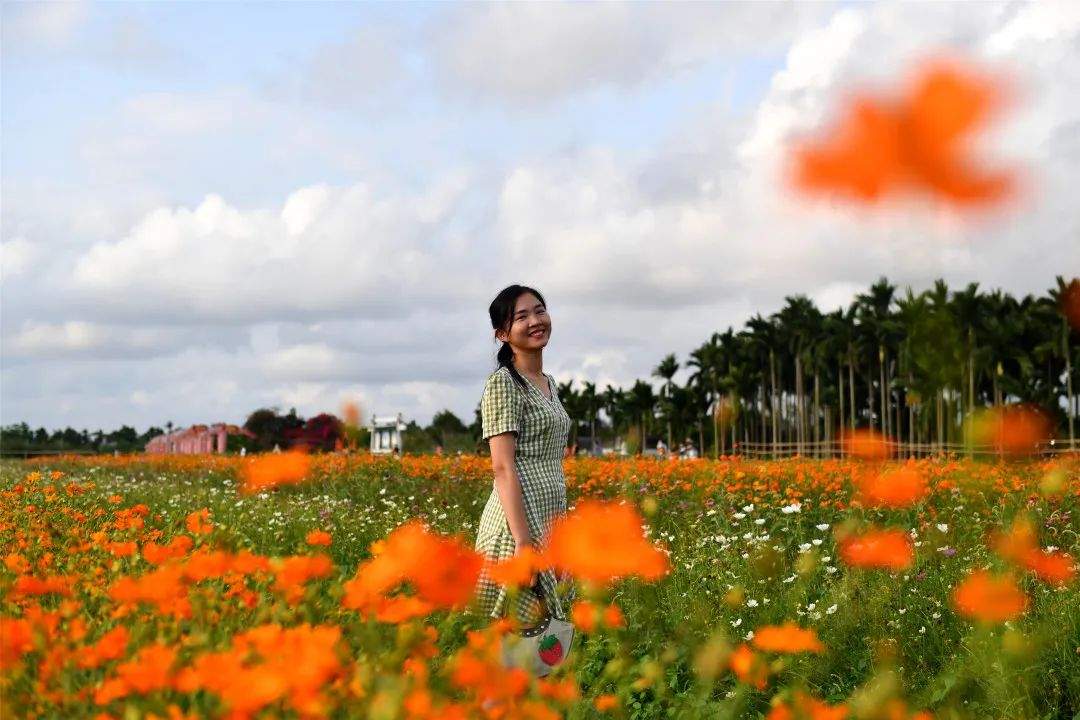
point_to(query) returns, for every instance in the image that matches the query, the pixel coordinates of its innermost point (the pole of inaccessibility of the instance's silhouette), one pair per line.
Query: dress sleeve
(500, 406)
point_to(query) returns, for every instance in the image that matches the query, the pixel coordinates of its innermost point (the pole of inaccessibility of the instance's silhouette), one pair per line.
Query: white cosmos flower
(822, 526)
(751, 603)
(792, 508)
(759, 521)
(830, 610)
(748, 508)
(943, 527)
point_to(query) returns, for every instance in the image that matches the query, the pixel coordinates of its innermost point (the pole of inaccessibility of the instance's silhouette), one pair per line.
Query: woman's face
(530, 327)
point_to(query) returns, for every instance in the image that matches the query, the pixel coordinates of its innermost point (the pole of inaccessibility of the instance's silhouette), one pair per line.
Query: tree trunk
(799, 414)
(881, 380)
(851, 387)
(817, 409)
(1069, 383)
(840, 386)
(773, 402)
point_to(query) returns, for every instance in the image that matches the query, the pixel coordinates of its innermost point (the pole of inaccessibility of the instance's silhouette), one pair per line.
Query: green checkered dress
(542, 427)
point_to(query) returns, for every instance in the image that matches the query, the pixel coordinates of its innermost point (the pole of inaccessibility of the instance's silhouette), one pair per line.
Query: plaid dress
(542, 427)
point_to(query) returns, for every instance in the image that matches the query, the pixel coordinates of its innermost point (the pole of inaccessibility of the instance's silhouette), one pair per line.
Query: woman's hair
(502, 317)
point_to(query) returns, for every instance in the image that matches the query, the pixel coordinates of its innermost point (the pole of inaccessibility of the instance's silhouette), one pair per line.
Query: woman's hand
(519, 546)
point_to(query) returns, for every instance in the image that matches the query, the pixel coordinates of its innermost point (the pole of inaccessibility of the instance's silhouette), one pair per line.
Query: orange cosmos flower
(605, 702)
(350, 413)
(896, 488)
(318, 537)
(443, 571)
(517, 569)
(602, 541)
(273, 469)
(1018, 542)
(806, 707)
(748, 666)
(111, 646)
(583, 614)
(1053, 567)
(613, 616)
(16, 563)
(865, 444)
(989, 599)
(293, 572)
(886, 549)
(178, 547)
(198, 522)
(16, 639)
(787, 638)
(918, 142)
(1011, 429)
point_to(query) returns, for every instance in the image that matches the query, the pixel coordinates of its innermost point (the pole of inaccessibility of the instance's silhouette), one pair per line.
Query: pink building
(195, 440)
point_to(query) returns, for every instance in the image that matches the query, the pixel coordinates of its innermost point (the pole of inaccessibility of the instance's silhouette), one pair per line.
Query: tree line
(912, 365)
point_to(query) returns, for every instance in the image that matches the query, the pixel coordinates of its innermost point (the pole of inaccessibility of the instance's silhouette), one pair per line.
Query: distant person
(396, 451)
(661, 448)
(438, 450)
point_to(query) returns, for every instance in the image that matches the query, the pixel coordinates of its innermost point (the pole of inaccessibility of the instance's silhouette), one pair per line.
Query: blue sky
(212, 207)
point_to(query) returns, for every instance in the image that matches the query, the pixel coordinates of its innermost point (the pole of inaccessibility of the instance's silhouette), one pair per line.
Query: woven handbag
(541, 648)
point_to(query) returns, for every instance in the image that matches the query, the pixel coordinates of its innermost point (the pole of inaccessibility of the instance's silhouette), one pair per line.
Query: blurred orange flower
(274, 469)
(749, 667)
(991, 599)
(602, 541)
(894, 488)
(918, 142)
(443, 571)
(806, 707)
(1057, 568)
(1010, 429)
(198, 522)
(605, 702)
(318, 537)
(887, 549)
(787, 638)
(865, 444)
(518, 568)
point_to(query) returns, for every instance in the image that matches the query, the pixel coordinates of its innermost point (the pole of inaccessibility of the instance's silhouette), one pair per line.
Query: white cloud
(16, 257)
(528, 53)
(50, 24)
(80, 339)
(328, 250)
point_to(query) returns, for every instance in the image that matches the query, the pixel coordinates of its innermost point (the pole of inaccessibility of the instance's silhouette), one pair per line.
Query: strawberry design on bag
(551, 650)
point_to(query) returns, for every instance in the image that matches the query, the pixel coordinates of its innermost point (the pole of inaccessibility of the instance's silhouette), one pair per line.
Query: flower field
(177, 587)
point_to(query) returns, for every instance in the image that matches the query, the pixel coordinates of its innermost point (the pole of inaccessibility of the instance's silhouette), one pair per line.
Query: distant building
(195, 440)
(386, 433)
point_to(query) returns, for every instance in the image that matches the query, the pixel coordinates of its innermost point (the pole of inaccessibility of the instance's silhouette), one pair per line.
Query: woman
(526, 428)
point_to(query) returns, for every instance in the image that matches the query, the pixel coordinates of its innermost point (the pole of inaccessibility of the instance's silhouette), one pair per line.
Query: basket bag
(539, 649)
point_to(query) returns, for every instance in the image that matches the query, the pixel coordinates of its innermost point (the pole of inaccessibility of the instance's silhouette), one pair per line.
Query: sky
(209, 208)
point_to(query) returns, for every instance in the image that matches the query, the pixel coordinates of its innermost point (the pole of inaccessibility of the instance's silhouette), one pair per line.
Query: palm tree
(765, 337)
(642, 402)
(590, 405)
(874, 312)
(1064, 292)
(666, 370)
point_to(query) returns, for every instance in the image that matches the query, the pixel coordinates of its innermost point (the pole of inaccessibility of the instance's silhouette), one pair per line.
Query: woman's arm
(508, 485)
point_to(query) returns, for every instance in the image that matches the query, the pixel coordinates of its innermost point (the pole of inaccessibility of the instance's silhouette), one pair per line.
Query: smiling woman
(526, 427)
